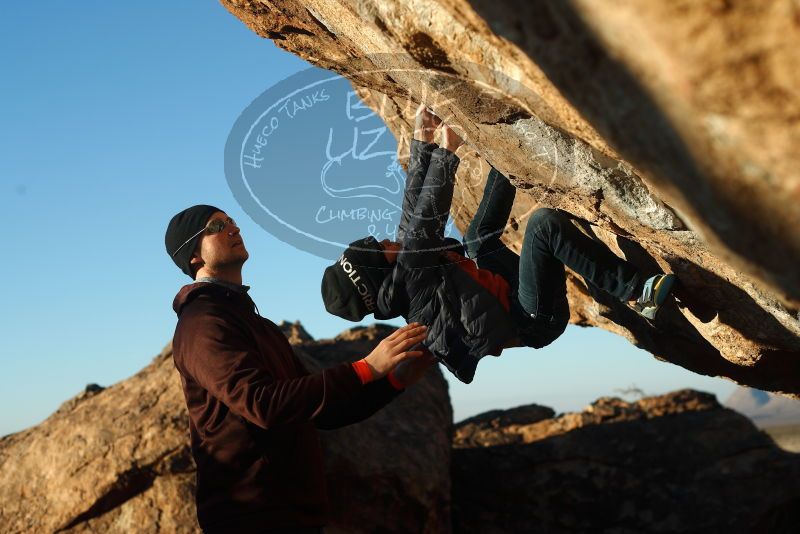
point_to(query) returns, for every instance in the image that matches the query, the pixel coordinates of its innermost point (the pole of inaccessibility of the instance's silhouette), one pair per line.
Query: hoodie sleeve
(221, 357)
(425, 229)
(370, 398)
(367, 400)
(418, 162)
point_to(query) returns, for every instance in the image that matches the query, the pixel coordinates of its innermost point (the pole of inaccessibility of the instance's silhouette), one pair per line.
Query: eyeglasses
(214, 227)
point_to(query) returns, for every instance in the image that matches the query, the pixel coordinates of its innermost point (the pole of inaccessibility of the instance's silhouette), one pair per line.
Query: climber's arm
(425, 231)
(422, 146)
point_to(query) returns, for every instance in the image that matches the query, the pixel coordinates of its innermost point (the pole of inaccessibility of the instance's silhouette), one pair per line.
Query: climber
(253, 407)
(473, 310)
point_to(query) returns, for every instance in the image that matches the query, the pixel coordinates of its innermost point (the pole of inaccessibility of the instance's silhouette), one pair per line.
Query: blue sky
(114, 118)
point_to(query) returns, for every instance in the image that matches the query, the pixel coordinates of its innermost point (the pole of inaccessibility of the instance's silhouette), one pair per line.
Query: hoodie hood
(189, 292)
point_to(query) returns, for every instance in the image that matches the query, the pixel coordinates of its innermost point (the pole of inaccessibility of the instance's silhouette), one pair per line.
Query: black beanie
(183, 226)
(350, 286)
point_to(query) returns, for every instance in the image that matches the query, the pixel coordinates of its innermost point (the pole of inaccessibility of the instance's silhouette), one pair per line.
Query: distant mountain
(765, 409)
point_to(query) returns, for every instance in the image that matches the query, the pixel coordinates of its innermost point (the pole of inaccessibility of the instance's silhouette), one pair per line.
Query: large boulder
(671, 127)
(673, 463)
(390, 473)
(117, 459)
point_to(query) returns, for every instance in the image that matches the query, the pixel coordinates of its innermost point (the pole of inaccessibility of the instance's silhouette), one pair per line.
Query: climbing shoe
(655, 292)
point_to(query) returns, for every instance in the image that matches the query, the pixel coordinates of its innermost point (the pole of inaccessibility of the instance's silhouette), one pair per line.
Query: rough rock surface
(674, 463)
(117, 459)
(390, 473)
(671, 127)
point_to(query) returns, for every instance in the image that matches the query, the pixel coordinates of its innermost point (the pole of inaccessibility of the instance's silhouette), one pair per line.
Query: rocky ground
(674, 463)
(116, 460)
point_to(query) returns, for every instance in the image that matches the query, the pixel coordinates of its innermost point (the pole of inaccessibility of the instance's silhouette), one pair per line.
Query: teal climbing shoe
(654, 294)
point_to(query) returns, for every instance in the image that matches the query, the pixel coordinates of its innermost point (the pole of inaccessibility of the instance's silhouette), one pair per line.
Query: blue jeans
(537, 278)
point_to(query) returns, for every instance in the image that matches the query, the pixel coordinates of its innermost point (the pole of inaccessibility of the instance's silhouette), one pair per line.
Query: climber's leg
(483, 244)
(482, 240)
(551, 241)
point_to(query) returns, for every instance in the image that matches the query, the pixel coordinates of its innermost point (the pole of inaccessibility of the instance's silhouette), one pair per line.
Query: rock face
(670, 127)
(674, 463)
(117, 459)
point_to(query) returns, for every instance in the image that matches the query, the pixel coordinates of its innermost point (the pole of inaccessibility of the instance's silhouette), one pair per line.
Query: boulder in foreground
(673, 463)
(117, 459)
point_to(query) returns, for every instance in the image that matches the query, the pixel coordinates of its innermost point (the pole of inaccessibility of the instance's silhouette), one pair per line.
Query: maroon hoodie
(254, 412)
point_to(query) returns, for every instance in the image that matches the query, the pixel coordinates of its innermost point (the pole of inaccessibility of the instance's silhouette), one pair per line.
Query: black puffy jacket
(465, 321)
